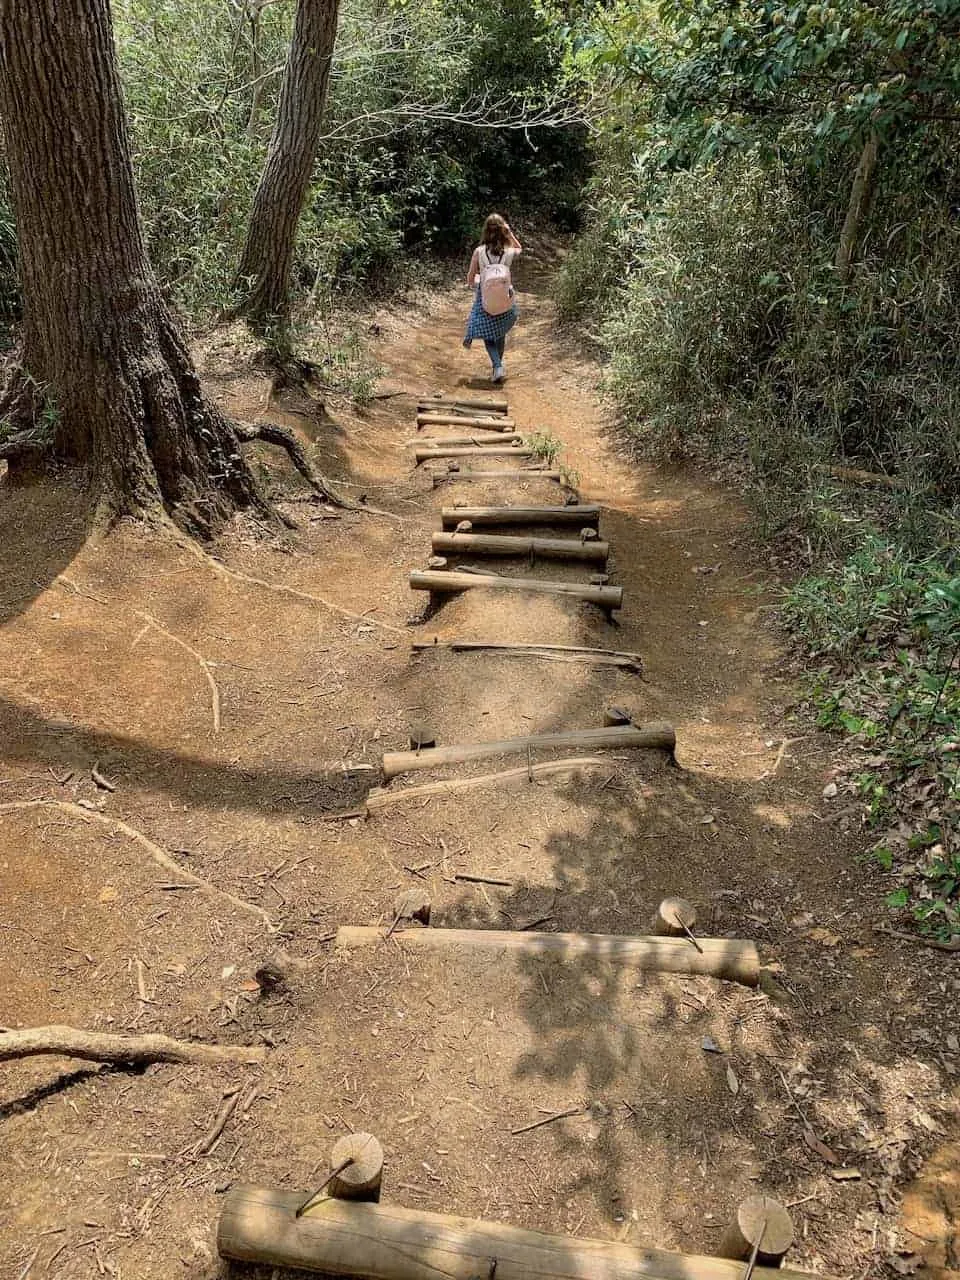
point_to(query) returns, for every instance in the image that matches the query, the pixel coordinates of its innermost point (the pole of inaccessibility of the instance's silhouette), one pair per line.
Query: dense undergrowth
(755, 313)
(423, 134)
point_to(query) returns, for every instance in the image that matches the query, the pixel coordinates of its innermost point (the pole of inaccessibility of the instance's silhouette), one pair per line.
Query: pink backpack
(496, 292)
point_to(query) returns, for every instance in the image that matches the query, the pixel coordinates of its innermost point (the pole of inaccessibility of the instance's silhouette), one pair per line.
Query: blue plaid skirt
(489, 328)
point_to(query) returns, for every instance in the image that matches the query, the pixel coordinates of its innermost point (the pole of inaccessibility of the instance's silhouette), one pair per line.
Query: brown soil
(107, 653)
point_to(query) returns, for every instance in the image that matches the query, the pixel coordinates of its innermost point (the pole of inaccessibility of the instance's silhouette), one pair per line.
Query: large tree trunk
(98, 337)
(860, 192)
(264, 270)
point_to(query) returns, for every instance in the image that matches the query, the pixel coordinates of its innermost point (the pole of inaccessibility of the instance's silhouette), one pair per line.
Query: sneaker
(498, 373)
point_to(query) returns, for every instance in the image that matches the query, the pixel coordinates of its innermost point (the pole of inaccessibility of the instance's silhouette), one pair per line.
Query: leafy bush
(887, 629)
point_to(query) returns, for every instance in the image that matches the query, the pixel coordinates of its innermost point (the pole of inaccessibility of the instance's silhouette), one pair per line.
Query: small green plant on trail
(544, 445)
(887, 630)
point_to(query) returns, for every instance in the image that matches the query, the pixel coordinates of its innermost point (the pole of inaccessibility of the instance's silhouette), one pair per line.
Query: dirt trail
(440, 1059)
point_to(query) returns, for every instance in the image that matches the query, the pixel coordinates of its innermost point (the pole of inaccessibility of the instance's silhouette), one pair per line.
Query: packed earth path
(182, 734)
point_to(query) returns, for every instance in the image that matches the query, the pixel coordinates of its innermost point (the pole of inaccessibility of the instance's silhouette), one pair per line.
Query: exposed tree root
(153, 624)
(272, 433)
(223, 571)
(160, 856)
(128, 1051)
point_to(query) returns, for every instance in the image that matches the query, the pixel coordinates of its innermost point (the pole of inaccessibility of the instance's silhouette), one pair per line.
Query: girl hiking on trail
(494, 310)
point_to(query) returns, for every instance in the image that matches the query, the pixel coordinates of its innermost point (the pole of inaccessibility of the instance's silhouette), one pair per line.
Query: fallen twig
(380, 798)
(935, 943)
(502, 884)
(538, 1124)
(302, 1208)
(98, 1046)
(103, 783)
(156, 853)
(229, 1104)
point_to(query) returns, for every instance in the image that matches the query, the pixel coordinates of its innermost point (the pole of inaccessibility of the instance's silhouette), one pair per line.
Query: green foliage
(424, 131)
(544, 445)
(802, 76)
(887, 630)
(411, 157)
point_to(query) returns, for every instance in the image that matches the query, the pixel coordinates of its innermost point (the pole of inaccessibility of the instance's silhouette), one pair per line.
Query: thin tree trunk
(857, 206)
(97, 335)
(271, 237)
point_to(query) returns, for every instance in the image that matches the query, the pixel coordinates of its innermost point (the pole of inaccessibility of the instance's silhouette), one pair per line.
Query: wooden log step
(359, 1241)
(451, 477)
(732, 959)
(423, 453)
(482, 544)
(461, 420)
(489, 404)
(444, 583)
(576, 513)
(421, 442)
(558, 652)
(657, 735)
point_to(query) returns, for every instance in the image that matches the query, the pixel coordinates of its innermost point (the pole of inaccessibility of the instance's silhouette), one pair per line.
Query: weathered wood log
(759, 1220)
(99, 1046)
(575, 513)
(499, 423)
(491, 404)
(536, 473)
(672, 915)
(657, 736)
(854, 475)
(381, 798)
(563, 652)
(487, 544)
(608, 598)
(361, 1178)
(732, 959)
(386, 1242)
(508, 437)
(426, 452)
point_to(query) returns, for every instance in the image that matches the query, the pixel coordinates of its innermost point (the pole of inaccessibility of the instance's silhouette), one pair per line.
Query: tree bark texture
(860, 193)
(271, 236)
(97, 334)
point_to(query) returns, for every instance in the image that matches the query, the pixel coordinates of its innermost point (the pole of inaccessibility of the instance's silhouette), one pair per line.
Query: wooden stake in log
(731, 959)
(98, 1046)
(658, 735)
(607, 598)
(482, 544)
(425, 452)
(762, 1224)
(413, 904)
(357, 1241)
(432, 419)
(674, 917)
(359, 1156)
(556, 652)
(616, 715)
(379, 798)
(578, 514)
(421, 736)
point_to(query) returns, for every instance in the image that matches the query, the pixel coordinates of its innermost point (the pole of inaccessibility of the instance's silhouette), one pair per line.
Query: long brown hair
(495, 233)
